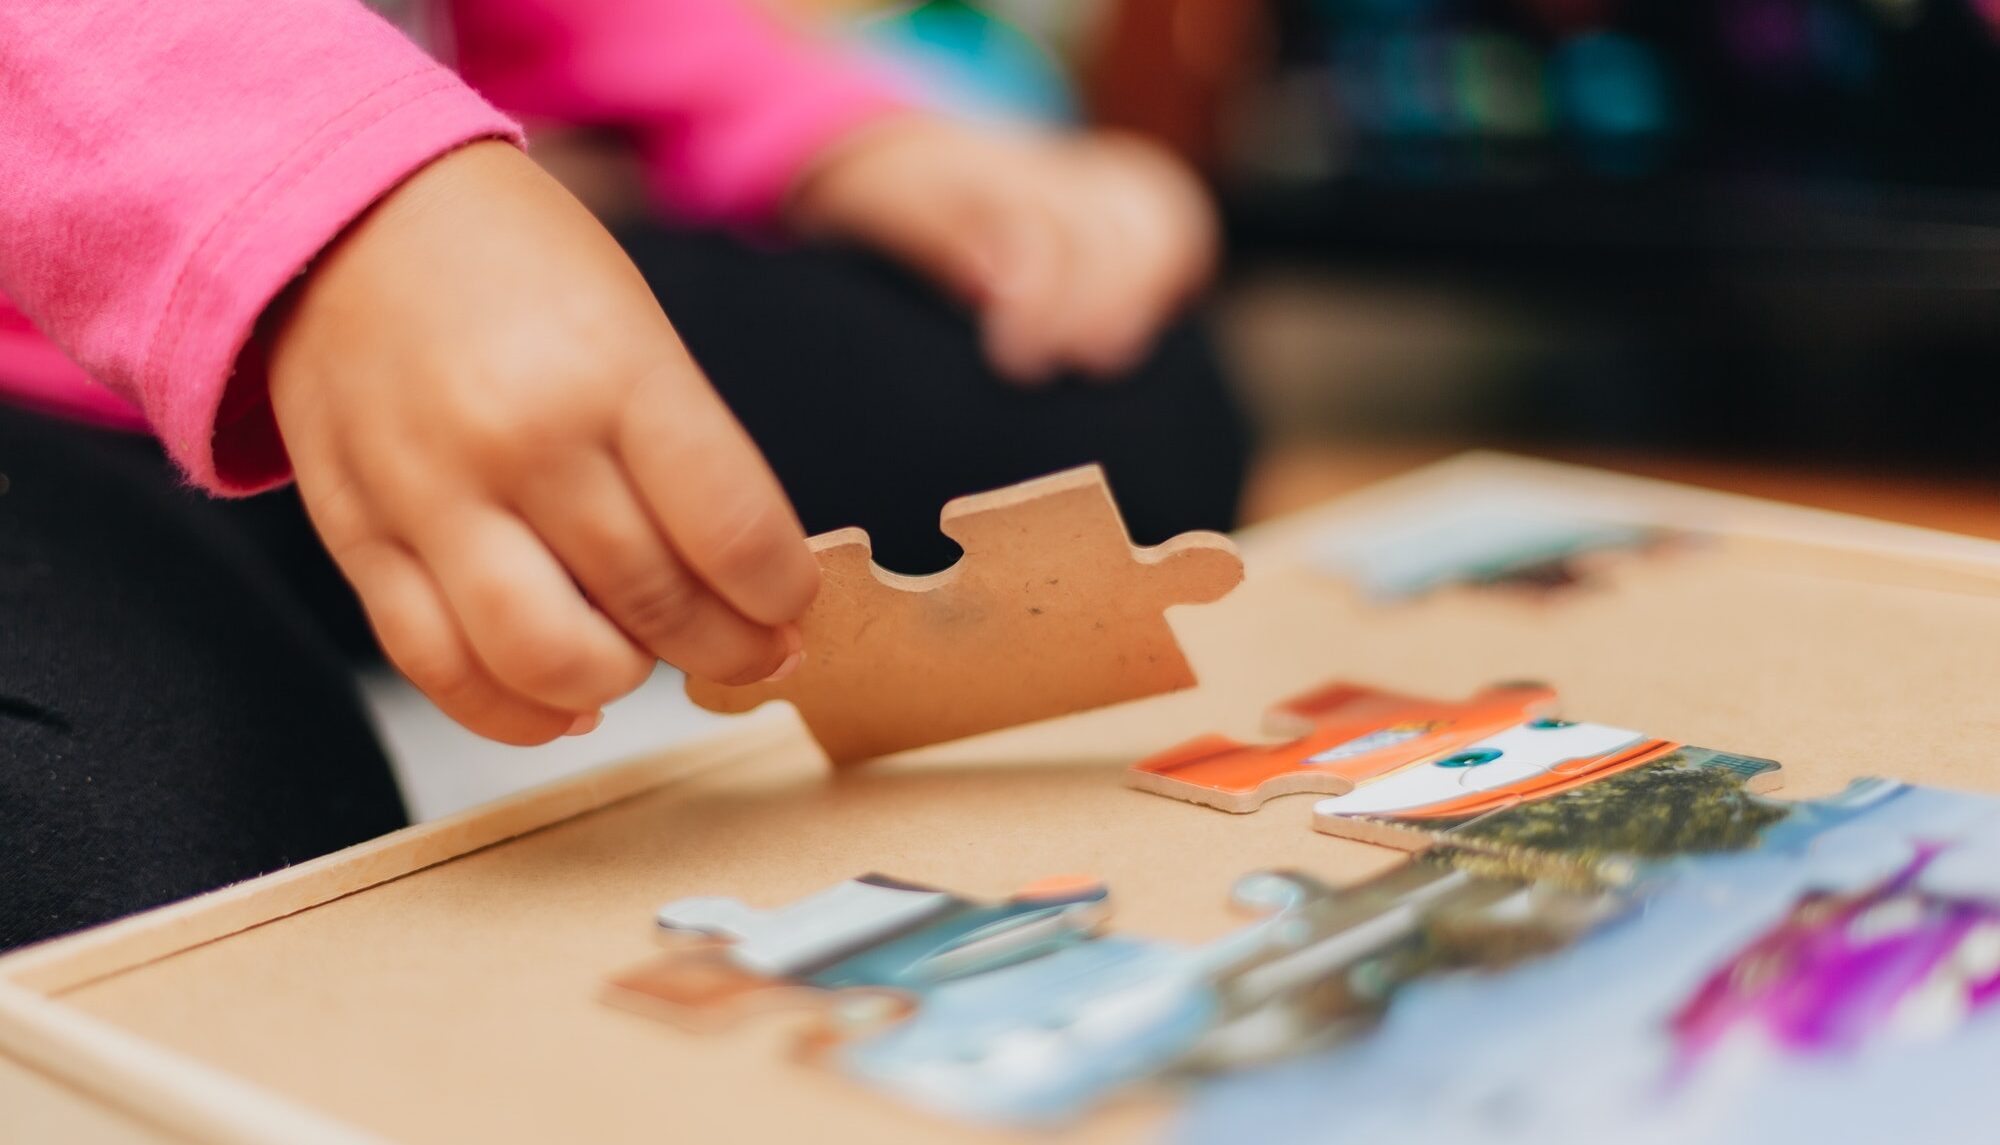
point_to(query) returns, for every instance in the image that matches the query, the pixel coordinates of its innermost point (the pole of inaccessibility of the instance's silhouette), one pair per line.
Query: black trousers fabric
(177, 704)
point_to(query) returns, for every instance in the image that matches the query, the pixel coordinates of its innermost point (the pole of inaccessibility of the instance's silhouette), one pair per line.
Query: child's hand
(504, 445)
(1073, 249)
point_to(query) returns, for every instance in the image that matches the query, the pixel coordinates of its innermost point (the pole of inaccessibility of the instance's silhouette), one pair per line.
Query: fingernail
(790, 666)
(585, 724)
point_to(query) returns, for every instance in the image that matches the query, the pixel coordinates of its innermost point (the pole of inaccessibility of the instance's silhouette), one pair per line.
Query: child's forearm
(165, 171)
(727, 106)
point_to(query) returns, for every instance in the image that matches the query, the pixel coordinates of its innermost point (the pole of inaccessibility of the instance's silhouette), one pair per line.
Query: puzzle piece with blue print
(870, 933)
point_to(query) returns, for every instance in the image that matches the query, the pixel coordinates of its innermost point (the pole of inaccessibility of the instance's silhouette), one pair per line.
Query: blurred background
(1748, 244)
(1728, 241)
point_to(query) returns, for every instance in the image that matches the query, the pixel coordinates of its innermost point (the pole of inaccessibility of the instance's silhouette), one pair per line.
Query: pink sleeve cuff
(201, 349)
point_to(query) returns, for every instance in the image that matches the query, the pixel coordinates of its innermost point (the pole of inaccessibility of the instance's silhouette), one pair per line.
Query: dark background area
(1749, 228)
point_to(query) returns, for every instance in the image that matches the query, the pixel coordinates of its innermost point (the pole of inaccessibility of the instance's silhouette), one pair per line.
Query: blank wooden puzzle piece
(1051, 610)
(1342, 735)
(874, 933)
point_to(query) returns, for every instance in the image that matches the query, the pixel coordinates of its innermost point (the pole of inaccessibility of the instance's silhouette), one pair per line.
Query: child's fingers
(716, 501)
(1111, 307)
(1025, 309)
(592, 518)
(419, 636)
(524, 617)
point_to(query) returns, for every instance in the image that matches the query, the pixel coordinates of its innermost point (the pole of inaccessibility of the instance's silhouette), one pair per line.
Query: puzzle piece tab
(1051, 610)
(871, 932)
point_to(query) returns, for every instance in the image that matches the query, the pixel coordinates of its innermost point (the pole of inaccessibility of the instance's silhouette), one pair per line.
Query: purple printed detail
(1843, 970)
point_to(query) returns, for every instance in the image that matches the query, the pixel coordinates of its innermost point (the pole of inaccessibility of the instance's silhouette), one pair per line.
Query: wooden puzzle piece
(1343, 734)
(1051, 610)
(873, 932)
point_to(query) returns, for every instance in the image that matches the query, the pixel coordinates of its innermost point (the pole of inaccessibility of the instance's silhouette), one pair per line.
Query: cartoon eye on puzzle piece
(1595, 817)
(872, 932)
(1342, 734)
(1509, 765)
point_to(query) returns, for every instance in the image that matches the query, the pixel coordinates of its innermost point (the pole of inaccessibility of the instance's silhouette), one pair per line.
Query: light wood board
(458, 1002)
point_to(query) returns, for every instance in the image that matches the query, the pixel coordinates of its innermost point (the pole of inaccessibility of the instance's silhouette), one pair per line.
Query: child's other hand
(510, 455)
(1074, 250)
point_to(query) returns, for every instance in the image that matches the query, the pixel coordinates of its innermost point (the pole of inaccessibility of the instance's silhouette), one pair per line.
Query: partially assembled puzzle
(1598, 934)
(1024, 1011)
(1881, 904)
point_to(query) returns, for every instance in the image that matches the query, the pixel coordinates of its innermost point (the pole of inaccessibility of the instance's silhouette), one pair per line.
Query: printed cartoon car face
(1344, 734)
(1509, 760)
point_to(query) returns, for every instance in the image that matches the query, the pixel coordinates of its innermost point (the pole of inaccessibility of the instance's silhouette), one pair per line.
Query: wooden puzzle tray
(442, 984)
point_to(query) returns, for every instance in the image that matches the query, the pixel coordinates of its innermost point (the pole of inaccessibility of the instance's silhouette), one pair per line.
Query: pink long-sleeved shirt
(166, 169)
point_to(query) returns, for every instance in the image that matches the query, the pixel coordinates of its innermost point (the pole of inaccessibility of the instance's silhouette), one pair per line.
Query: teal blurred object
(956, 57)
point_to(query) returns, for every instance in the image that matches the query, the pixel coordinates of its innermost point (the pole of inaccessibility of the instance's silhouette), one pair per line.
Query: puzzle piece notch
(1341, 734)
(869, 934)
(1051, 610)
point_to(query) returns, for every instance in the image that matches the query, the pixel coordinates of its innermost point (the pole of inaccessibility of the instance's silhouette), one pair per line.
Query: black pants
(177, 705)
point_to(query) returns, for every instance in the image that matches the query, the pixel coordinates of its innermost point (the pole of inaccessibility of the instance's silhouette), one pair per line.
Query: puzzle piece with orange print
(1338, 736)
(1405, 772)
